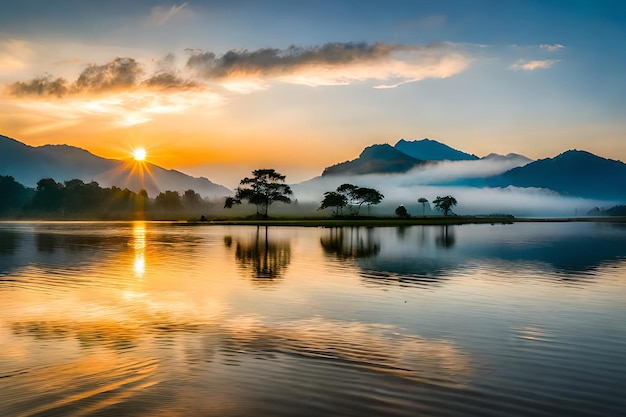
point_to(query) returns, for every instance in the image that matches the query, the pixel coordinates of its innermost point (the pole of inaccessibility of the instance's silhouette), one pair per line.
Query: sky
(219, 88)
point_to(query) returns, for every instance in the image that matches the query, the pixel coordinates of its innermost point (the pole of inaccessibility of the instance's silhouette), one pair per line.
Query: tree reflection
(352, 242)
(266, 259)
(8, 242)
(446, 237)
(46, 242)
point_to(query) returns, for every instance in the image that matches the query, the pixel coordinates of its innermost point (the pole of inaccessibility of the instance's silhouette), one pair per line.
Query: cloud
(127, 91)
(117, 76)
(331, 64)
(551, 47)
(42, 86)
(243, 71)
(170, 81)
(159, 15)
(523, 65)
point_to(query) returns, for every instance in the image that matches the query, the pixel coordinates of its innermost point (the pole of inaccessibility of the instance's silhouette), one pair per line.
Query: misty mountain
(375, 159)
(431, 150)
(28, 164)
(445, 166)
(520, 160)
(425, 154)
(574, 172)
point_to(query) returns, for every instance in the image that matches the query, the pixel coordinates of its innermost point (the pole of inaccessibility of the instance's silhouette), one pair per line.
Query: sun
(139, 154)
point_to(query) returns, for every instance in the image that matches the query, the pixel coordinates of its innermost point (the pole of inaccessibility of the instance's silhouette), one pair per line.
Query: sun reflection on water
(139, 246)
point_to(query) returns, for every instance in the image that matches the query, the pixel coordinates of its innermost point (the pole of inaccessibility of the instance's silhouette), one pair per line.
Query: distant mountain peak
(432, 150)
(380, 158)
(573, 172)
(508, 157)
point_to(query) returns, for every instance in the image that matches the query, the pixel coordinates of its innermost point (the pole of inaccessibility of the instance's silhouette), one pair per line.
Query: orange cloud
(126, 92)
(118, 75)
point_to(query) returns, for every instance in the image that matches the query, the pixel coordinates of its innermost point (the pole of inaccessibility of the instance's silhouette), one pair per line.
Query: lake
(150, 319)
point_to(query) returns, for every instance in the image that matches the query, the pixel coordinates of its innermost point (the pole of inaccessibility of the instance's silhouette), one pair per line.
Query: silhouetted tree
(357, 196)
(445, 204)
(79, 197)
(335, 201)
(266, 187)
(120, 201)
(168, 201)
(192, 200)
(13, 195)
(401, 211)
(229, 202)
(423, 202)
(48, 195)
(141, 203)
(367, 196)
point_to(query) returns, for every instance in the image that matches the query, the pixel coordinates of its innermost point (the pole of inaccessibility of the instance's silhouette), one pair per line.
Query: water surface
(149, 319)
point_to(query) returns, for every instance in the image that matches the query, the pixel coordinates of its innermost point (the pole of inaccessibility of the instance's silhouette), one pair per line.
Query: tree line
(77, 199)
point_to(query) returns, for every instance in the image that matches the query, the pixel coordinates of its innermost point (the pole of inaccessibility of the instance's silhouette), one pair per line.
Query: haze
(219, 88)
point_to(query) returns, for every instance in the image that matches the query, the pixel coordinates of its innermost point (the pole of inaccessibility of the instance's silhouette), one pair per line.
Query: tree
(192, 200)
(168, 201)
(367, 196)
(334, 199)
(266, 187)
(347, 191)
(423, 201)
(13, 195)
(357, 196)
(401, 211)
(48, 196)
(81, 198)
(445, 204)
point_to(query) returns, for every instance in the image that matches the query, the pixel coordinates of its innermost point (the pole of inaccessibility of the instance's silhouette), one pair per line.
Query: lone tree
(445, 204)
(423, 202)
(335, 201)
(266, 187)
(401, 212)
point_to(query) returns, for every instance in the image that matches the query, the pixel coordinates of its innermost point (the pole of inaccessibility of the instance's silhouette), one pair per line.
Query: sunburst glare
(139, 154)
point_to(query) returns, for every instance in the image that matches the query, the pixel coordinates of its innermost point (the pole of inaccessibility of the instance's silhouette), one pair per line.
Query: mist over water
(150, 319)
(401, 189)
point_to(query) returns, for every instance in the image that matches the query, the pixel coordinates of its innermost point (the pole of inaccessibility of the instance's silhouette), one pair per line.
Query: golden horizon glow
(139, 154)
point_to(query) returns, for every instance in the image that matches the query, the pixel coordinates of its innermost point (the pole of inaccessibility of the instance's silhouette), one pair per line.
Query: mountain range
(428, 162)
(418, 162)
(28, 164)
(407, 155)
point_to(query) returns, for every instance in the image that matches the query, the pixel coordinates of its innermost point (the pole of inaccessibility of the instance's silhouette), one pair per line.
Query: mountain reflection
(261, 256)
(350, 242)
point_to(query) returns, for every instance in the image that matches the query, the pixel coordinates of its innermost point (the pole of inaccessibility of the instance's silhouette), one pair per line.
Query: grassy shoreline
(382, 221)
